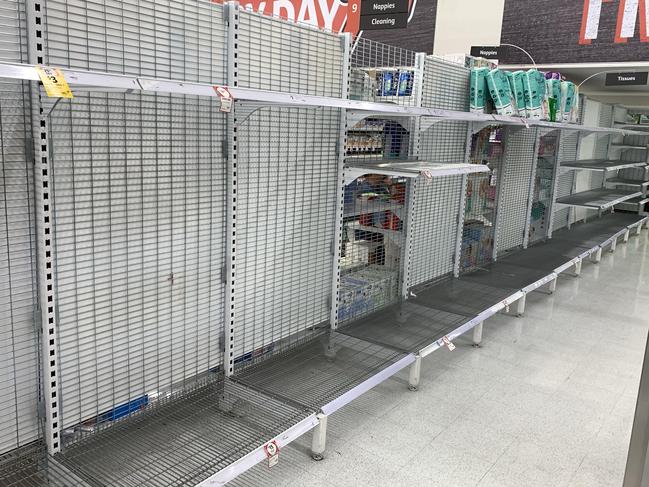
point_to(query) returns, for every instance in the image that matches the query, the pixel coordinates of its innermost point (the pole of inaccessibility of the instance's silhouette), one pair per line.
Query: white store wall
(465, 23)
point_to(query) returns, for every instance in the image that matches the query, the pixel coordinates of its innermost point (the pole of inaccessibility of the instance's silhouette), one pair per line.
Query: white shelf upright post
(50, 407)
(230, 270)
(340, 202)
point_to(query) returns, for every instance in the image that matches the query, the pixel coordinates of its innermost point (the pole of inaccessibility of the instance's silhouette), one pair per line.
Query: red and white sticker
(272, 453)
(447, 341)
(226, 98)
(427, 174)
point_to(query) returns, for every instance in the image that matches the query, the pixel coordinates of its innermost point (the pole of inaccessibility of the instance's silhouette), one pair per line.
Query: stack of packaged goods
(366, 290)
(530, 94)
(377, 83)
(477, 244)
(395, 82)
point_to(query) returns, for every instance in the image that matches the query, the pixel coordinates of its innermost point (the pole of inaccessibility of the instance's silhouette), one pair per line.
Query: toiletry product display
(516, 85)
(553, 93)
(500, 92)
(478, 90)
(534, 89)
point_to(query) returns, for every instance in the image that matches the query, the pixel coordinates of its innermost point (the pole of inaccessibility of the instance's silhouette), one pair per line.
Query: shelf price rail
(97, 81)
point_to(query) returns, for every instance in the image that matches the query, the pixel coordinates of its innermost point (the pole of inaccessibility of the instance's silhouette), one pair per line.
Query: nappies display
(478, 90)
(500, 92)
(567, 100)
(534, 89)
(516, 86)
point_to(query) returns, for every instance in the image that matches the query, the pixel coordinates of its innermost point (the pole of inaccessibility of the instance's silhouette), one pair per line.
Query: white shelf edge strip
(564, 267)
(254, 457)
(362, 388)
(541, 282)
(117, 81)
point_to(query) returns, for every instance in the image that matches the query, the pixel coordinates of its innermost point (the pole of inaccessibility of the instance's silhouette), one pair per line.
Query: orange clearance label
(54, 82)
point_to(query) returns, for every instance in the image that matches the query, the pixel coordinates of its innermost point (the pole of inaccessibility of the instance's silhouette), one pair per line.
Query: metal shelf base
(465, 296)
(324, 373)
(211, 433)
(406, 326)
(455, 305)
(24, 467)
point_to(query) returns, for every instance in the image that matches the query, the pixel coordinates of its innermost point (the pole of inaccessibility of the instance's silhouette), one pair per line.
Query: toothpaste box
(478, 89)
(500, 92)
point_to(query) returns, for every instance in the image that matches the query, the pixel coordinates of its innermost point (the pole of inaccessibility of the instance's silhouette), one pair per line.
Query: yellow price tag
(54, 82)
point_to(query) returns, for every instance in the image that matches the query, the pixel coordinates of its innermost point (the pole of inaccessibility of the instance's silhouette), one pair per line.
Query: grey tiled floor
(547, 401)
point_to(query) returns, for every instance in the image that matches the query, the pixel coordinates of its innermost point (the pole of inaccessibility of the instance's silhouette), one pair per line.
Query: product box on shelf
(516, 85)
(553, 93)
(535, 95)
(500, 92)
(568, 98)
(477, 244)
(366, 290)
(478, 90)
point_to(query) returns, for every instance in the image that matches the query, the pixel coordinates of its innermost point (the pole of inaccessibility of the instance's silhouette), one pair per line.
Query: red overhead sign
(331, 15)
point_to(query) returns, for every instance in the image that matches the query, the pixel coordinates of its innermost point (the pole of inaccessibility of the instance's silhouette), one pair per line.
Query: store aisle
(547, 401)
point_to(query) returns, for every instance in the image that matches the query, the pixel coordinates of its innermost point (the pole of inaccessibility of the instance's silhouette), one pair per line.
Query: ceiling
(636, 98)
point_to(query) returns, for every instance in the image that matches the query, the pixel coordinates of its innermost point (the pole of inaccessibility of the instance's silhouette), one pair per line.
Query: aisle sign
(486, 52)
(369, 7)
(387, 21)
(626, 79)
(384, 14)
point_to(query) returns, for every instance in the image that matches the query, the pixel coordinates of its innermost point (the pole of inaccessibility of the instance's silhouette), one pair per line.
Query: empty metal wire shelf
(184, 440)
(503, 275)
(319, 371)
(462, 296)
(24, 467)
(406, 326)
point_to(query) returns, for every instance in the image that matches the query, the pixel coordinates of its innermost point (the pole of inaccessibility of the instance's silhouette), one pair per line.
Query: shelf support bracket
(415, 374)
(477, 334)
(597, 256)
(319, 438)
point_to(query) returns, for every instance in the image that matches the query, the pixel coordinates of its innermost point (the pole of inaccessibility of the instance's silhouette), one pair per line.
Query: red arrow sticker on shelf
(272, 453)
(447, 341)
(226, 98)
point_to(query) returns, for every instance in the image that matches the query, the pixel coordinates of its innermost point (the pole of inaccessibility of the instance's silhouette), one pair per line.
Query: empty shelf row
(598, 199)
(217, 428)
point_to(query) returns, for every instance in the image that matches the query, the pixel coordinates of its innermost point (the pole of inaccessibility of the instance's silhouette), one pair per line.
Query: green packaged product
(536, 106)
(516, 85)
(500, 92)
(553, 92)
(567, 100)
(478, 89)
